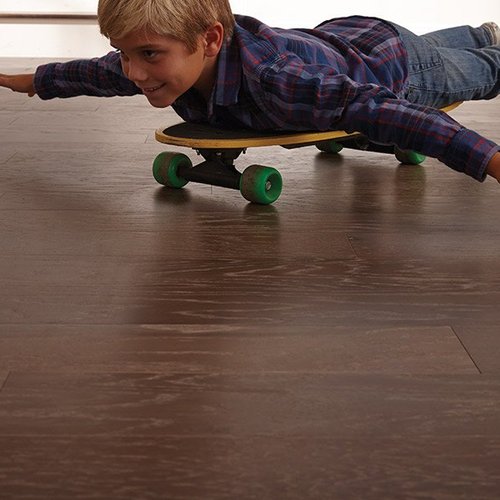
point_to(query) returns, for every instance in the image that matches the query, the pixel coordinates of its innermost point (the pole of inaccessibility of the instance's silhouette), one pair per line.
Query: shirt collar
(229, 74)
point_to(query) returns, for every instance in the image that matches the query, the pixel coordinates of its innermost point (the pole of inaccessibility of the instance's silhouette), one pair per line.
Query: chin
(158, 103)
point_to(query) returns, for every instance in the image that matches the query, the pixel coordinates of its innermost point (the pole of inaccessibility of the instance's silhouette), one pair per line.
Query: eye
(149, 54)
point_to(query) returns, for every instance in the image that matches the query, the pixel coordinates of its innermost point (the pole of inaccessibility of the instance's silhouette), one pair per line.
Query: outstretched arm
(101, 77)
(19, 83)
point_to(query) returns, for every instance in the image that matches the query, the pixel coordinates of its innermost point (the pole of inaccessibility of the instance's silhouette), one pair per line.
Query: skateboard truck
(217, 170)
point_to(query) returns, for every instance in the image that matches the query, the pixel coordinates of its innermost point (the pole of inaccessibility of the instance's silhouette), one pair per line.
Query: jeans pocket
(426, 82)
(435, 63)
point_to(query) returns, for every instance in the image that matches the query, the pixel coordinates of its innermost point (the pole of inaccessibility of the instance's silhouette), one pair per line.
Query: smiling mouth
(150, 90)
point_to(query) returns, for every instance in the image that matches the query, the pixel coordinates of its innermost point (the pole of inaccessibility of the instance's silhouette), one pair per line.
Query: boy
(355, 74)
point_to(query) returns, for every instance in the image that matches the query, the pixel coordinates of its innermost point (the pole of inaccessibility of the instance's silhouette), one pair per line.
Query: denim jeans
(454, 64)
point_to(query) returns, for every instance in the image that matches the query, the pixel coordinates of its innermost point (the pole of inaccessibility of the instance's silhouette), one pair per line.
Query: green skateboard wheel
(409, 157)
(166, 166)
(331, 147)
(259, 184)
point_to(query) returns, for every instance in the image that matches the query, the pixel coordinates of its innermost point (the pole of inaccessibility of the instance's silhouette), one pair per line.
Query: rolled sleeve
(100, 77)
(470, 153)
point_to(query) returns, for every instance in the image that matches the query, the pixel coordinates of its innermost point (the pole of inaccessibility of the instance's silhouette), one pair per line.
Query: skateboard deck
(220, 147)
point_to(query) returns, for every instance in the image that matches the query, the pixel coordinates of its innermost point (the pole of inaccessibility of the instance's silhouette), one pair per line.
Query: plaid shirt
(346, 74)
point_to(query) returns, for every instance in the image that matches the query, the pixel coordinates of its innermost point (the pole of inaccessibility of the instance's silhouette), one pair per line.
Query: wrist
(493, 167)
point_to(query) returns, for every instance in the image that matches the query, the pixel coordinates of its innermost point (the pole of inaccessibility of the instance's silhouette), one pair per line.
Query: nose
(134, 72)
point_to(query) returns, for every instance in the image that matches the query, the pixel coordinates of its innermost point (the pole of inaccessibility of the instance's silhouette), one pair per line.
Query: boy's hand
(493, 168)
(19, 83)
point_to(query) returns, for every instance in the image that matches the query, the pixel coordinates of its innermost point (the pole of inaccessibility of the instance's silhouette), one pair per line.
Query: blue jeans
(455, 64)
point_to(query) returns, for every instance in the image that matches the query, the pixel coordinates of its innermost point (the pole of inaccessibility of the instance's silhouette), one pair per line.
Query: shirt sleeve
(101, 77)
(315, 98)
(385, 119)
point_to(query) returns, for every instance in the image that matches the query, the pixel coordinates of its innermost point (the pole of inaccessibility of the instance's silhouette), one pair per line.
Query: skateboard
(260, 184)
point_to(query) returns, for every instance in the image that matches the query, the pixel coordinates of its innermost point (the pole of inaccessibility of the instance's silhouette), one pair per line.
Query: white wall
(48, 6)
(84, 40)
(419, 16)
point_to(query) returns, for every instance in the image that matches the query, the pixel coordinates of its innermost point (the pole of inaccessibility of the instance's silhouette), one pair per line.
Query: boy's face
(164, 68)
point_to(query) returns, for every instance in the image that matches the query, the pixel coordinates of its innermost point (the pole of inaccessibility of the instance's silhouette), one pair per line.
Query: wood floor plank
(295, 293)
(249, 467)
(271, 271)
(221, 348)
(240, 306)
(288, 405)
(271, 291)
(138, 290)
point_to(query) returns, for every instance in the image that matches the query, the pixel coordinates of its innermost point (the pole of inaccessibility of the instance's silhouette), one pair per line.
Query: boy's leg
(439, 76)
(464, 37)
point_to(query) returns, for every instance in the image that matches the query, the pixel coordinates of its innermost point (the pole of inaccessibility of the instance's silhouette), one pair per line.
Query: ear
(213, 39)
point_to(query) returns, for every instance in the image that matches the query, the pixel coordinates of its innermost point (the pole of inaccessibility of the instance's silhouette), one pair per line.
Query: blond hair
(184, 20)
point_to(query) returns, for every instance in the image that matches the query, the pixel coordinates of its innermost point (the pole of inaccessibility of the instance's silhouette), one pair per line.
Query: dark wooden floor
(343, 343)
